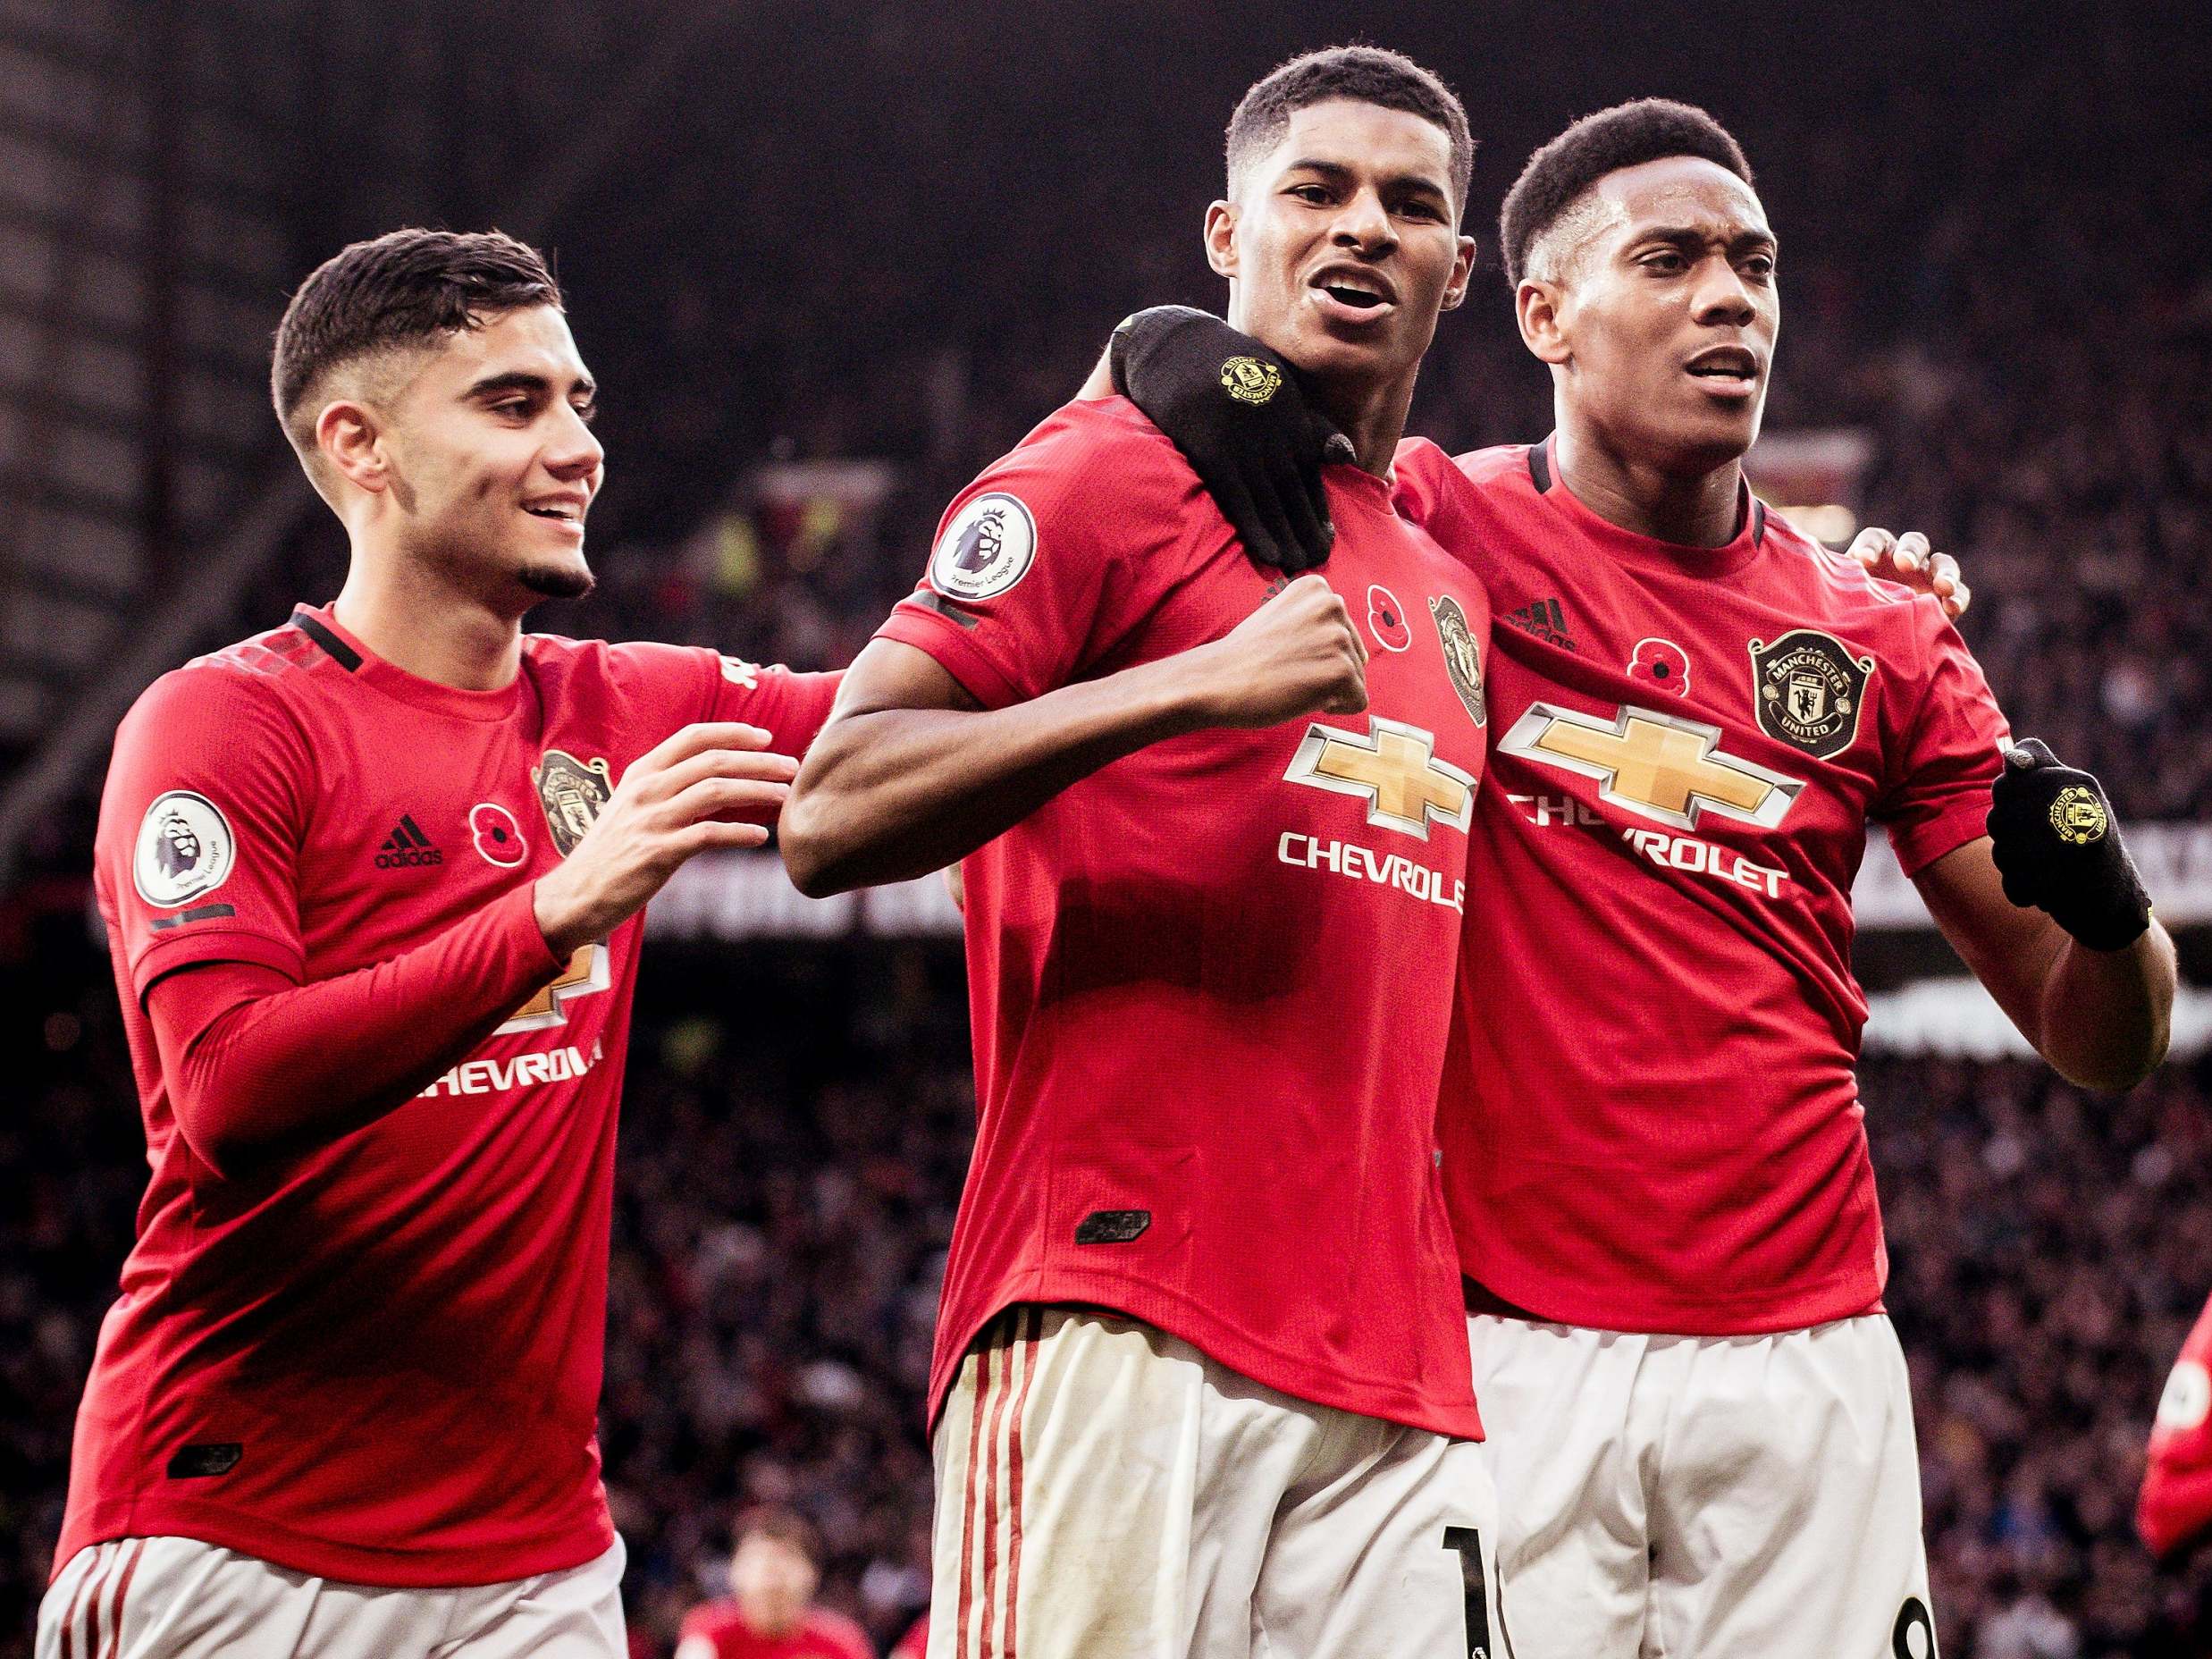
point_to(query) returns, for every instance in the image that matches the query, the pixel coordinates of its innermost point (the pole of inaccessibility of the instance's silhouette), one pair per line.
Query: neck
(404, 612)
(1372, 416)
(1691, 509)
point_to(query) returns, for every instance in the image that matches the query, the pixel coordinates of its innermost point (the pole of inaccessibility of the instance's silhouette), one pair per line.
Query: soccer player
(372, 883)
(2176, 1505)
(1199, 1383)
(774, 1570)
(1654, 1146)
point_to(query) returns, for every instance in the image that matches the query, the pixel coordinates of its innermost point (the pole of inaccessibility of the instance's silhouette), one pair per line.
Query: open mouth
(1727, 367)
(560, 513)
(1353, 296)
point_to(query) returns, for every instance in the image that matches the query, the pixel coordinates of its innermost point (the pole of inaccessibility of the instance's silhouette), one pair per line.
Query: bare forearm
(2106, 1014)
(890, 794)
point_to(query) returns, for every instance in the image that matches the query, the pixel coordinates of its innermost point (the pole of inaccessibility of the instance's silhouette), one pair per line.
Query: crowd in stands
(1998, 282)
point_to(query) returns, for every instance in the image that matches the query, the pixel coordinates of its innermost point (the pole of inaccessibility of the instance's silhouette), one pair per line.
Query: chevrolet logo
(1394, 768)
(1661, 765)
(588, 972)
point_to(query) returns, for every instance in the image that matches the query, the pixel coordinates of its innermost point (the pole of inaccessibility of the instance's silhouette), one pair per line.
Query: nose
(1722, 295)
(575, 452)
(1363, 225)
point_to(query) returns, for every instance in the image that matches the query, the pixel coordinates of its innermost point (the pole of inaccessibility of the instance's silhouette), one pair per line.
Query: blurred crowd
(1992, 275)
(795, 1130)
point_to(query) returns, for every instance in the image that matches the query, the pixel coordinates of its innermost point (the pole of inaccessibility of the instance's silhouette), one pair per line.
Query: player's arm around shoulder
(968, 711)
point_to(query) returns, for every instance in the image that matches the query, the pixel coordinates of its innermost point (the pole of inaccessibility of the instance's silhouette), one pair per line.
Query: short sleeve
(682, 684)
(1050, 558)
(1935, 797)
(201, 823)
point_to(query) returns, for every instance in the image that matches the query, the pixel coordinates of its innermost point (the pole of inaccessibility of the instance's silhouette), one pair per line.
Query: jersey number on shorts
(1468, 1543)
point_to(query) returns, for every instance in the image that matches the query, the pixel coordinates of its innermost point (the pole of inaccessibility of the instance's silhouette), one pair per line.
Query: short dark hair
(784, 1525)
(1626, 135)
(402, 289)
(1366, 74)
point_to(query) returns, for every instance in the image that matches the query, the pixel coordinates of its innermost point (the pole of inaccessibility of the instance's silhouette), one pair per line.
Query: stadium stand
(1996, 271)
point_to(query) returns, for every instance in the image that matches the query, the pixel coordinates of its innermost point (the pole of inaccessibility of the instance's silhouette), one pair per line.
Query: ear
(1541, 308)
(1221, 239)
(1462, 274)
(347, 436)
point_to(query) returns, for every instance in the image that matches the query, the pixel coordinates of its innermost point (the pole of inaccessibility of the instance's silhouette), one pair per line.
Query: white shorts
(179, 1598)
(1688, 1497)
(1105, 1491)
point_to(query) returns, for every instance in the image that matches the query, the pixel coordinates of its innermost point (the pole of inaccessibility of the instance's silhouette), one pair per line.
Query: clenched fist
(1297, 654)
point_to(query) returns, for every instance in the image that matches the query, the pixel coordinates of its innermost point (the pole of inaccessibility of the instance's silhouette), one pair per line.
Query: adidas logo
(1545, 620)
(405, 846)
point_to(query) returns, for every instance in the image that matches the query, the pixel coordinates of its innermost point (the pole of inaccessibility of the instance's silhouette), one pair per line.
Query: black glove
(1237, 413)
(2056, 844)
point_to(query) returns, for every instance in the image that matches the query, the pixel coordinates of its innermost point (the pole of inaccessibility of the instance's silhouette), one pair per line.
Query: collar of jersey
(422, 694)
(1715, 562)
(1359, 481)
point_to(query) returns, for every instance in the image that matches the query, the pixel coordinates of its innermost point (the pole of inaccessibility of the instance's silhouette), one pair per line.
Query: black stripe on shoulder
(204, 912)
(344, 655)
(1540, 468)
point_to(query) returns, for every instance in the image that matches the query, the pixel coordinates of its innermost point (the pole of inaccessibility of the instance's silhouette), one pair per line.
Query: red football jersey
(2176, 1501)
(1652, 1122)
(1211, 984)
(719, 1630)
(378, 1361)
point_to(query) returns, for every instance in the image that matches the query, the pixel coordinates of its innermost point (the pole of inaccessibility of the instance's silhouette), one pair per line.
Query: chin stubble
(557, 581)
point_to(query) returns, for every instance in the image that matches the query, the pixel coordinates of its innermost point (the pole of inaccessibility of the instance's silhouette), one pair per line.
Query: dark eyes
(1322, 196)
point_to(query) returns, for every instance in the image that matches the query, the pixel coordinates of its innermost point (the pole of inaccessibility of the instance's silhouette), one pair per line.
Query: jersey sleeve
(1428, 489)
(2176, 1501)
(678, 685)
(1050, 558)
(1936, 798)
(201, 823)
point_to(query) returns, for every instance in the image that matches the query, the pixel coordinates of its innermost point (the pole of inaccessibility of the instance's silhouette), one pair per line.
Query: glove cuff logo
(1249, 380)
(2079, 816)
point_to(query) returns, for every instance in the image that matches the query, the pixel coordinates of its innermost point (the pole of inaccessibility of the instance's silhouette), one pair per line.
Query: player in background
(372, 883)
(915, 1643)
(774, 1570)
(1200, 1381)
(2176, 1505)
(1653, 1144)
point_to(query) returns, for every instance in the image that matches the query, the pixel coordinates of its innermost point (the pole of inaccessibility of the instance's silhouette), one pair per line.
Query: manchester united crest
(1463, 658)
(572, 792)
(1808, 689)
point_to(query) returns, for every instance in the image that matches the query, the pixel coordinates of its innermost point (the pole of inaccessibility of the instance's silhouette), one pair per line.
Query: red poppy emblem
(498, 836)
(1386, 619)
(1662, 665)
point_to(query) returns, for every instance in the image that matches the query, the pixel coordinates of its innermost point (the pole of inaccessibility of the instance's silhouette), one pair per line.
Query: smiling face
(486, 461)
(1342, 244)
(1655, 301)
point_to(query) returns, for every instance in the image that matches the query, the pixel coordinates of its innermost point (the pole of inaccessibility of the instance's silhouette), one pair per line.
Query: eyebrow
(522, 380)
(1688, 236)
(1336, 171)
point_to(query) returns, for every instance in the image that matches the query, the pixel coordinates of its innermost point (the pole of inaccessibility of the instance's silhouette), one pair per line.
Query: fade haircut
(1561, 174)
(400, 291)
(1365, 75)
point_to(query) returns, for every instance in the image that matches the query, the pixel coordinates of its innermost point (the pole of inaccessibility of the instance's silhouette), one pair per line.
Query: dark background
(900, 233)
